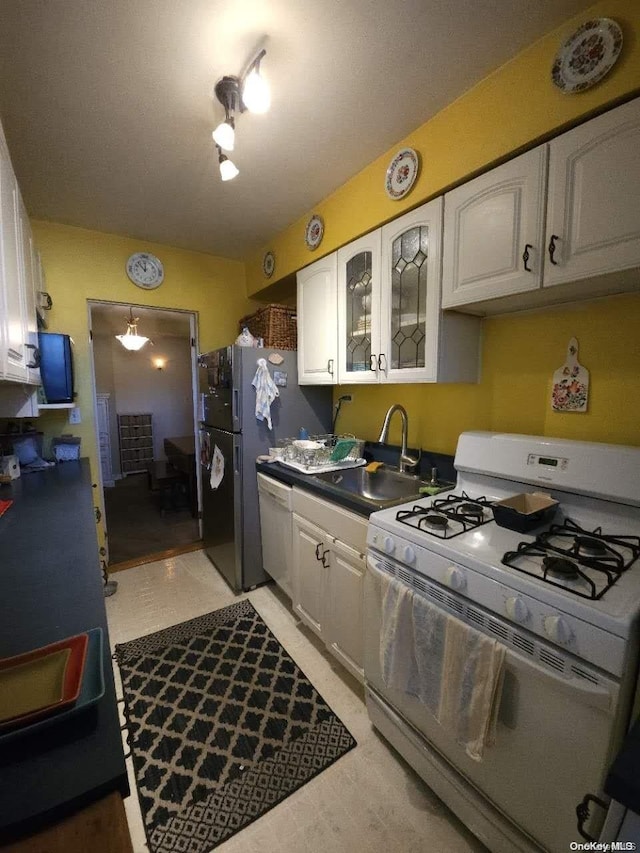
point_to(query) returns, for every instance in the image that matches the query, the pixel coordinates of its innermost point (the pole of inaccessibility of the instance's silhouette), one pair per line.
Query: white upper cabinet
(417, 342)
(593, 217)
(317, 323)
(494, 232)
(371, 312)
(17, 298)
(503, 251)
(359, 310)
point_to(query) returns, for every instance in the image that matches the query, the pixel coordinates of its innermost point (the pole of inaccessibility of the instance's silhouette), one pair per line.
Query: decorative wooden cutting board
(570, 388)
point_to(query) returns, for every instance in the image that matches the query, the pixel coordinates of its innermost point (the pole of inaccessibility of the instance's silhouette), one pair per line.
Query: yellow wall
(80, 265)
(520, 354)
(509, 110)
(514, 108)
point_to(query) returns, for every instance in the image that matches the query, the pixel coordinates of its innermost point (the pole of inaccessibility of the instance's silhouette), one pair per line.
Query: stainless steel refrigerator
(231, 438)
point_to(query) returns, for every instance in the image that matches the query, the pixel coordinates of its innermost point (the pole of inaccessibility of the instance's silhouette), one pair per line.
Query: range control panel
(547, 464)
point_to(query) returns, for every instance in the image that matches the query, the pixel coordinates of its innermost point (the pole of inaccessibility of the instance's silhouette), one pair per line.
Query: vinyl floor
(369, 800)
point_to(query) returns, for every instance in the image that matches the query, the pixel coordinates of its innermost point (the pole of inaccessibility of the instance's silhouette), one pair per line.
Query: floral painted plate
(402, 173)
(268, 264)
(314, 232)
(587, 55)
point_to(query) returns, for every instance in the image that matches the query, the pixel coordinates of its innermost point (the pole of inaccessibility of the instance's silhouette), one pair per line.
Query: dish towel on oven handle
(454, 670)
(266, 392)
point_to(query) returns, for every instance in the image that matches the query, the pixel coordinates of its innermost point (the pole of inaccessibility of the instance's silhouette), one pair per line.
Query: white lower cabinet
(328, 575)
(275, 530)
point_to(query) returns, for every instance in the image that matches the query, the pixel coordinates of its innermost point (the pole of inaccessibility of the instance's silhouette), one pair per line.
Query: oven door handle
(603, 697)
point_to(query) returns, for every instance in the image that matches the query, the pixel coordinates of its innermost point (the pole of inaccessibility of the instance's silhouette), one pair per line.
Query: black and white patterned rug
(223, 726)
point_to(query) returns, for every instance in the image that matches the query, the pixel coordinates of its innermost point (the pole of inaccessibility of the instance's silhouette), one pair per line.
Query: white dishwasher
(276, 523)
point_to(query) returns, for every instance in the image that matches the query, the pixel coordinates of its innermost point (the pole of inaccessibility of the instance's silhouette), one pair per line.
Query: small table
(181, 453)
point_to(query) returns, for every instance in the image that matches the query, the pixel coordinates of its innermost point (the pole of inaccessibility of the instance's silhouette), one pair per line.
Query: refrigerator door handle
(236, 458)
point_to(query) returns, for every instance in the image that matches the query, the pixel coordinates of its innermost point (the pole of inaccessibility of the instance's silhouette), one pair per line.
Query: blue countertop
(51, 589)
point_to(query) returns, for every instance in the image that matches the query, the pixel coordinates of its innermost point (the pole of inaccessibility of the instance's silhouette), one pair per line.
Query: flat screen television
(56, 367)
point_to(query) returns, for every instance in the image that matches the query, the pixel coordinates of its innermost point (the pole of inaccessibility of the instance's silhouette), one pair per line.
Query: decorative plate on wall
(402, 173)
(314, 232)
(587, 55)
(268, 264)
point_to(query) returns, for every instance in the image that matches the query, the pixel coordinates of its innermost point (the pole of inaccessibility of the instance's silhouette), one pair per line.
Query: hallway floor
(369, 800)
(135, 525)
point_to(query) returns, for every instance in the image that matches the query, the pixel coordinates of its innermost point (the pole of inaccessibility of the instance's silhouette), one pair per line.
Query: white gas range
(564, 599)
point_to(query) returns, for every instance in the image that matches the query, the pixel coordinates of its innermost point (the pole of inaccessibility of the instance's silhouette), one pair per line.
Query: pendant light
(131, 340)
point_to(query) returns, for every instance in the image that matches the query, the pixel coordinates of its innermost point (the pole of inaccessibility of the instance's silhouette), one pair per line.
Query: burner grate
(598, 560)
(448, 516)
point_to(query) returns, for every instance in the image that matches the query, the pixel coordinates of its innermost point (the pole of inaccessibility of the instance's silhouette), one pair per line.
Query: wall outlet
(74, 416)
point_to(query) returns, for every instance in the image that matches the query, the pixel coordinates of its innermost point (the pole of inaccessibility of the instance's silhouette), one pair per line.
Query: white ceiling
(108, 110)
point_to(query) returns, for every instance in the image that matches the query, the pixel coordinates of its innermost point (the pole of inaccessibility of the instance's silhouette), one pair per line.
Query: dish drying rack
(317, 460)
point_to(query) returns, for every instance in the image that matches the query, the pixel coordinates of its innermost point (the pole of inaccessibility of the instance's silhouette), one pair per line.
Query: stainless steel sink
(386, 487)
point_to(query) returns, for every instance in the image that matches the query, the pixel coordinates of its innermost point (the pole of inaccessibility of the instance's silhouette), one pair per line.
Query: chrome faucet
(405, 460)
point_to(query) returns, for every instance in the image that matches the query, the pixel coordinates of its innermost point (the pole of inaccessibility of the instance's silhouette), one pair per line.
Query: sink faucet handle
(407, 461)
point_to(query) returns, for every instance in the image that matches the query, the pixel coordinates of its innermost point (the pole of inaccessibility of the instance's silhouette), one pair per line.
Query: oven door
(554, 731)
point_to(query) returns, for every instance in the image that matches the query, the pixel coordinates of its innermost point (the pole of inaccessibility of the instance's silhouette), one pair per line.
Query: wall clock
(145, 270)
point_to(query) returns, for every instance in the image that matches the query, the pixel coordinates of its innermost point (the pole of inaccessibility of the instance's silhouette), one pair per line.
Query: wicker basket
(276, 324)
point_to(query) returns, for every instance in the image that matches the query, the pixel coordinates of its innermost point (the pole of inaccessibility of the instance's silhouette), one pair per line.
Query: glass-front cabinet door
(359, 310)
(410, 295)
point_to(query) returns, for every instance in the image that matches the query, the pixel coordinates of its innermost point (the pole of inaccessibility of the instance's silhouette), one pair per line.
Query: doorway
(145, 407)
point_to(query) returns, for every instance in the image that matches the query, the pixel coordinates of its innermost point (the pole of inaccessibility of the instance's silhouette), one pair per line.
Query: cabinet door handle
(552, 248)
(526, 256)
(36, 356)
(330, 367)
(319, 546)
(373, 362)
(324, 555)
(380, 365)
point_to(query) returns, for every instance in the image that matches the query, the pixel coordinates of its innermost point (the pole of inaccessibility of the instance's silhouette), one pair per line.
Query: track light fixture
(237, 94)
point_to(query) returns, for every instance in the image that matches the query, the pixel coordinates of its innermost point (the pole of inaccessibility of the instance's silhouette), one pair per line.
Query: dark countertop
(383, 453)
(50, 589)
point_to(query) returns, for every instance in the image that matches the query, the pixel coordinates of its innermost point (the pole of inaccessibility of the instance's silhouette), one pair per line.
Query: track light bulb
(228, 169)
(224, 135)
(255, 93)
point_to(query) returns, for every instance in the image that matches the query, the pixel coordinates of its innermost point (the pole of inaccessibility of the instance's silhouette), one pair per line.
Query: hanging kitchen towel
(217, 468)
(429, 629)
(266, 392)
(397, 663)
(472, 688)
